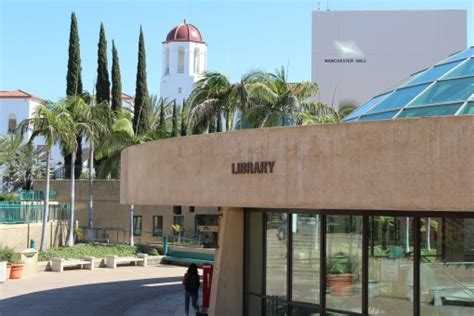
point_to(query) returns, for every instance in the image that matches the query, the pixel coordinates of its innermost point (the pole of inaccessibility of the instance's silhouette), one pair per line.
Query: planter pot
(16, 271)
(9, 269)
(341, 284)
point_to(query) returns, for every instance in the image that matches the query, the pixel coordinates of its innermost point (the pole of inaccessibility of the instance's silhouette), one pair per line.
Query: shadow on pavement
(113, 298)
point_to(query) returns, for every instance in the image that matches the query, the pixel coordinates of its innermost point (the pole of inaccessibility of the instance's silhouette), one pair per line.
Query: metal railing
(18, 213)
(36, 195)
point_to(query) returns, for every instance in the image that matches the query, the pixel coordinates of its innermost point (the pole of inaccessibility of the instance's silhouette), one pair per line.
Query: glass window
(461, 55)
(197, 60)
(137, 225)
(466, 69)
(433, 73)
(468, 109)
(398, 99)
(255, 253)
(167, 60)
(181, 60)
(439, 110)
(276, 307)
(276, 254)
(157, 225)
(378, 116)
(11, 123)
(344, 262)
(306, 231)
(300, 310)
(447, 91)
(364, 108)
(390, 265)
(447, 266)
(254, 305)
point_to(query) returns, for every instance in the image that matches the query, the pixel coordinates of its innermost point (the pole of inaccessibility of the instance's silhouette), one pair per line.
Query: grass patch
(97, 251)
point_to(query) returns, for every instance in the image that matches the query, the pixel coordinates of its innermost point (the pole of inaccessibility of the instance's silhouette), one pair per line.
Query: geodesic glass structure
(446, 88)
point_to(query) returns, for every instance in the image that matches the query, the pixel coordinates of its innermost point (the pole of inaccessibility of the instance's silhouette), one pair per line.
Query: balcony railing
(17, 213)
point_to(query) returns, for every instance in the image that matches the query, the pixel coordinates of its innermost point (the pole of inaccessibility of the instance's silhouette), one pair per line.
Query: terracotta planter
(9, 269)
(16, 271)
(341, 284)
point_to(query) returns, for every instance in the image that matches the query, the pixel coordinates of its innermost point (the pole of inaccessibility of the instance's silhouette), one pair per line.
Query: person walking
(191, 284)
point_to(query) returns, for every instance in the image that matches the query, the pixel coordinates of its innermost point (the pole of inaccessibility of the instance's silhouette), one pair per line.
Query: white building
(357, 54)
(16, 106)
(184, 62)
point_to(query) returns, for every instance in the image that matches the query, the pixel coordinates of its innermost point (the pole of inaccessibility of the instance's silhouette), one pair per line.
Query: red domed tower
(184, 61)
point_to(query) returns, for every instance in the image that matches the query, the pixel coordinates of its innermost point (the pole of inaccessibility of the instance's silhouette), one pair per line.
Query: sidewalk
(154, 290)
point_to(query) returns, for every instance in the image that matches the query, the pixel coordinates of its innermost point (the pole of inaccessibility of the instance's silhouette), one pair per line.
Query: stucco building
(357, 54)
(184, 62)
(355, 218)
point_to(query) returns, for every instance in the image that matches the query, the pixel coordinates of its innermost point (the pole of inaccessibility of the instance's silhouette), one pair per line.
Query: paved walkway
(154, 290)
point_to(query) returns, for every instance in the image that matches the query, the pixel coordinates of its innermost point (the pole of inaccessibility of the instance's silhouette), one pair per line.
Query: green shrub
(6, 253)
(8, 197)
(150, 250)
(82, 250)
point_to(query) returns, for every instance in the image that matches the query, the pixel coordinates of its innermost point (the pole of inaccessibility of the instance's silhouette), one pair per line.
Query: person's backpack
(191, 283)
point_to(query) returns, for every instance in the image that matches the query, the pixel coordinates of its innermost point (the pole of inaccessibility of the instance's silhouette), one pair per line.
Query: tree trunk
(46, 203)
(70, 242)
(428, 233)
(130, 217)
(384, 236)
(90, 193)
(407, 235)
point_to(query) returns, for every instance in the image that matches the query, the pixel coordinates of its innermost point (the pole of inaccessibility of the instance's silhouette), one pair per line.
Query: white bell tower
(184, 62)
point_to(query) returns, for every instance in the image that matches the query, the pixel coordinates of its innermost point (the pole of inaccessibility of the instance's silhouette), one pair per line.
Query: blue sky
(241, 35)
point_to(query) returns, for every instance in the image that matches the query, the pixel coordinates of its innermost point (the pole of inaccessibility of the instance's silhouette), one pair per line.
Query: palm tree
(318, 113)
(52, 122)
(273, 101)
(215, 97)
(21, 161)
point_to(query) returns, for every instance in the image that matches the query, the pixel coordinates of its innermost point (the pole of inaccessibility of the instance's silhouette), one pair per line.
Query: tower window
(197, 63)
(11, 123)
(180, 90)
(167, 61)
(181, 60)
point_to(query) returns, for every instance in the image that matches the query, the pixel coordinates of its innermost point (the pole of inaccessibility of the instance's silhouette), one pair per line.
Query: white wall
(173, 82)
(394, 44)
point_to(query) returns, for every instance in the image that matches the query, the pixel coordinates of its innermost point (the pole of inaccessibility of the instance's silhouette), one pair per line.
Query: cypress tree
(140, 111)
(73, 89)
(212, 124)
(116, 81)
(162, 124)
(102, 86)
(184, 127)
(219, 122)
(175, 131)
(73, 77)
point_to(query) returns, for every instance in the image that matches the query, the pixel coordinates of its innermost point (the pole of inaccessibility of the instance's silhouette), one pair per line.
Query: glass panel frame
(446, 91)
(433, 73)
(398, 99)
(428, 111)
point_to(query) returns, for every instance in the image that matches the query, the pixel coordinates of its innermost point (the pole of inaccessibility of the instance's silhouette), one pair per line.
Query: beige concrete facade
(111, 217)
(416, 164)
(412, 165)
(18, 236)
(227, 286)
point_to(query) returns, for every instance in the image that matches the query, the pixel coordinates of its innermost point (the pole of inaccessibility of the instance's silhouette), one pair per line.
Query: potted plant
(6, 254)
(340, 269)
(16, 269)
(178, 230)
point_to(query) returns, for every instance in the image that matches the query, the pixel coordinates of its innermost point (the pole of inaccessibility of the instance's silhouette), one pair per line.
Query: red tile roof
(19, 94)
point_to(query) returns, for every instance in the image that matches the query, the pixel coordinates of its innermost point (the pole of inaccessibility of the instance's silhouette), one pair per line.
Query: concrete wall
(393, 44)
(109, 213)
(18, 236)
(227, 281)
(411, 164)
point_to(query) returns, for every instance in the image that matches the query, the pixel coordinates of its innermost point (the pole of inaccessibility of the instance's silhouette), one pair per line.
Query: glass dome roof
(446, 88)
